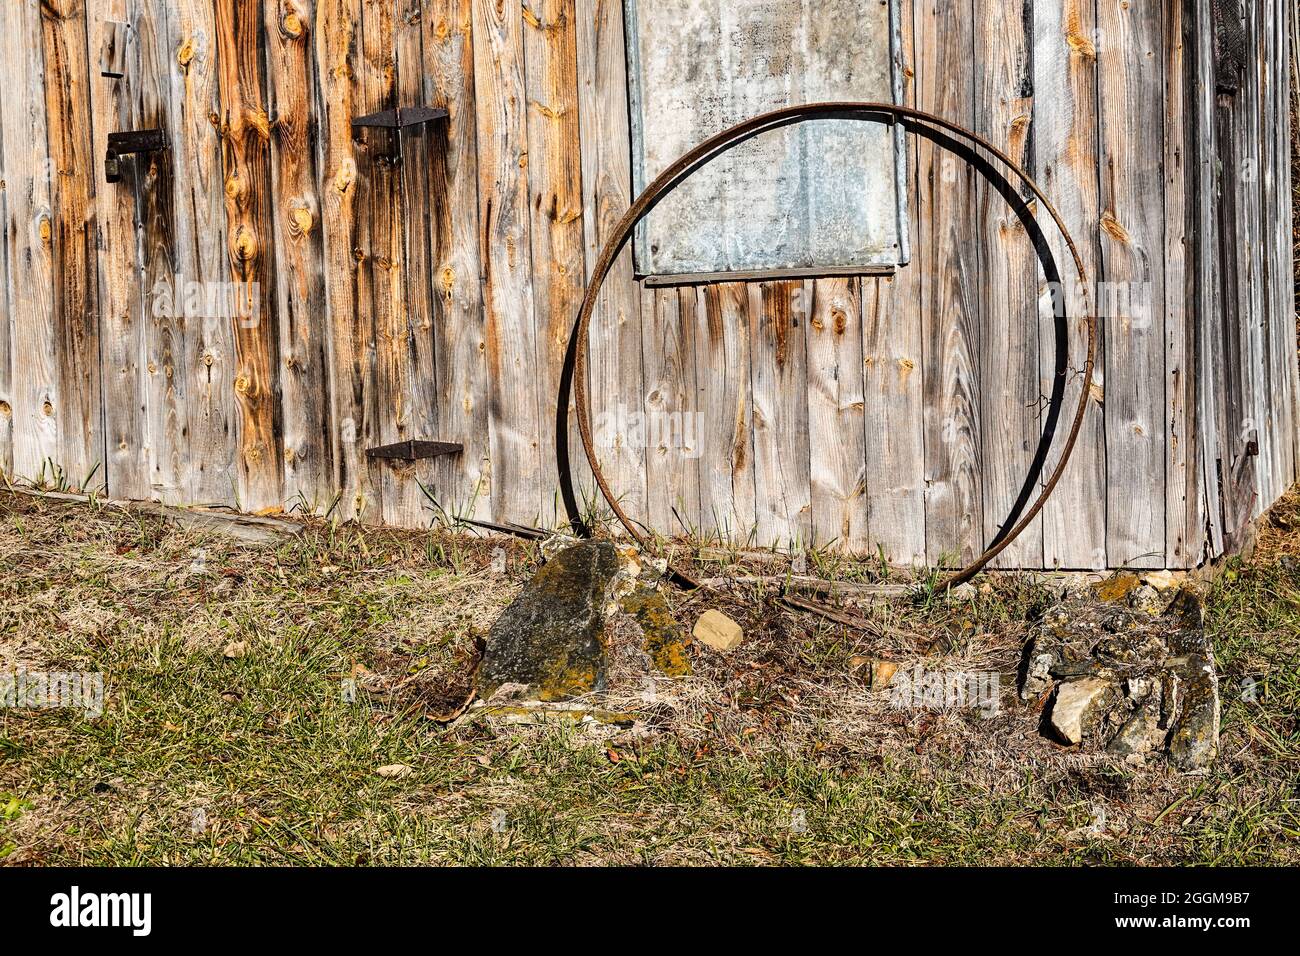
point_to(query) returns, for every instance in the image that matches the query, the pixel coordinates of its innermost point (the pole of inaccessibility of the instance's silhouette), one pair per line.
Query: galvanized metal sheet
(820, 194)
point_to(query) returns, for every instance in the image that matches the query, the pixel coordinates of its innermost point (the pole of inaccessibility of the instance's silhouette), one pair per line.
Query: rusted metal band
(719, 143)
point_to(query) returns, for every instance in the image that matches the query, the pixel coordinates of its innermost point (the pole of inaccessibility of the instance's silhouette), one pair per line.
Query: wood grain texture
(417, 200)
(1065, 164)
(122, 299)
(382, 271)
(1205, 304)
(505, 247)
(208, 358)
(615, 371)
(1008, 292)
(300, 293)
(246, 166)
(1184, 519)
(727, 490)
(670, 429)
(28, 237)
(1286, 38)
(950, 296)
(836, 415)
(1260, 401)
(7, 321)
(1132, 250)
(778, 316)
(556, 207)
(76, 296)
(352, 356)
(892, 335)
(165, 329)
(460, 334)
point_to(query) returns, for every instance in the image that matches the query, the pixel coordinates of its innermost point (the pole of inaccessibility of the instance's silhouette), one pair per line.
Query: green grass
(283, 766)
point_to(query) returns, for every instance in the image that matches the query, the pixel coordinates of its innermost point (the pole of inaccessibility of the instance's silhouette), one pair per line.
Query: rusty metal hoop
(720, 142)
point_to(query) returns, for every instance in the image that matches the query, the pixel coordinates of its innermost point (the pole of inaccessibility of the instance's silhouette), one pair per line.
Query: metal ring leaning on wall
(720, 142)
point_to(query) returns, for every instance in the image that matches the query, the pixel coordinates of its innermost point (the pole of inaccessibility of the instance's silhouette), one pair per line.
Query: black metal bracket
(399, 118)
(414, 450)
(134, 141)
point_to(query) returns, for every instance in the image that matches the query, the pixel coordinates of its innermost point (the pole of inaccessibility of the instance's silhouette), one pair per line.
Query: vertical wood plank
(892, 333)
(672, 421)
(29, 234)
(949, 295)
(300, 298)
(1274, 174)
(1184, 516)
(722, 366)
(1132, 248)
(1065, 164)
(119, 285)
(1207, 314)
(836, 416)
(382, 267)
(556, 205)
(76, 300)
(355, 406)
(615, 371)
(207, 363)
(505, 244)
(164, 321)
(8, 301)
(245, 154)
(417, 200)
(460, 334)
(1008, 306)
(778, 313)
(1286, 26)
(1260, 401)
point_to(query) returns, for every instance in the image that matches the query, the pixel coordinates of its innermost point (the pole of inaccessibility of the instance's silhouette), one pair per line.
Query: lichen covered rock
(548, 643)
(1129, 674)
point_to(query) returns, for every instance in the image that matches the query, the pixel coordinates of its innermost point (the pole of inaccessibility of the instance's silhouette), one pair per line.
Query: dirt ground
(269, 705)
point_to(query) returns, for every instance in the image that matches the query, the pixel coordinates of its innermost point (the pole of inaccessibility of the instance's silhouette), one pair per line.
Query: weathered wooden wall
(378, 290)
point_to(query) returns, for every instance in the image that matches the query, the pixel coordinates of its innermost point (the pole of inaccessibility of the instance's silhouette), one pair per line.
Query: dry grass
(775, 753)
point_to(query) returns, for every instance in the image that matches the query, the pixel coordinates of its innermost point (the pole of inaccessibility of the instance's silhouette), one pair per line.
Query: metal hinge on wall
(134, 141)
(399, 118)
(414, 450)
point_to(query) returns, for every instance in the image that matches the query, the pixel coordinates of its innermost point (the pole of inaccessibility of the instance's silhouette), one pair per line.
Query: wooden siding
(327, 292)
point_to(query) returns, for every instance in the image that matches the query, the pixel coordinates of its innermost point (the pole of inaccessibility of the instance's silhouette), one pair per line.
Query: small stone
(717, 631)
(1039, 661)
(882, 672)
(1078, 707)
(963, 592)
(1161, 580)
(394, 771)
(235, 649)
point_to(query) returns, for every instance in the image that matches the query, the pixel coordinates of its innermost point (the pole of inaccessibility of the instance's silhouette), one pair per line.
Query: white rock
(1072, 708)
(1161, 580)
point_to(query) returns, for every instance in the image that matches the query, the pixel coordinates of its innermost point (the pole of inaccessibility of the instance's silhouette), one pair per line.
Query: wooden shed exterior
(244, 314)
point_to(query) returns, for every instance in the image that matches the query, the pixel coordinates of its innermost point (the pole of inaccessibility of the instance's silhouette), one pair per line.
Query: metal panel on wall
(820, 195)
